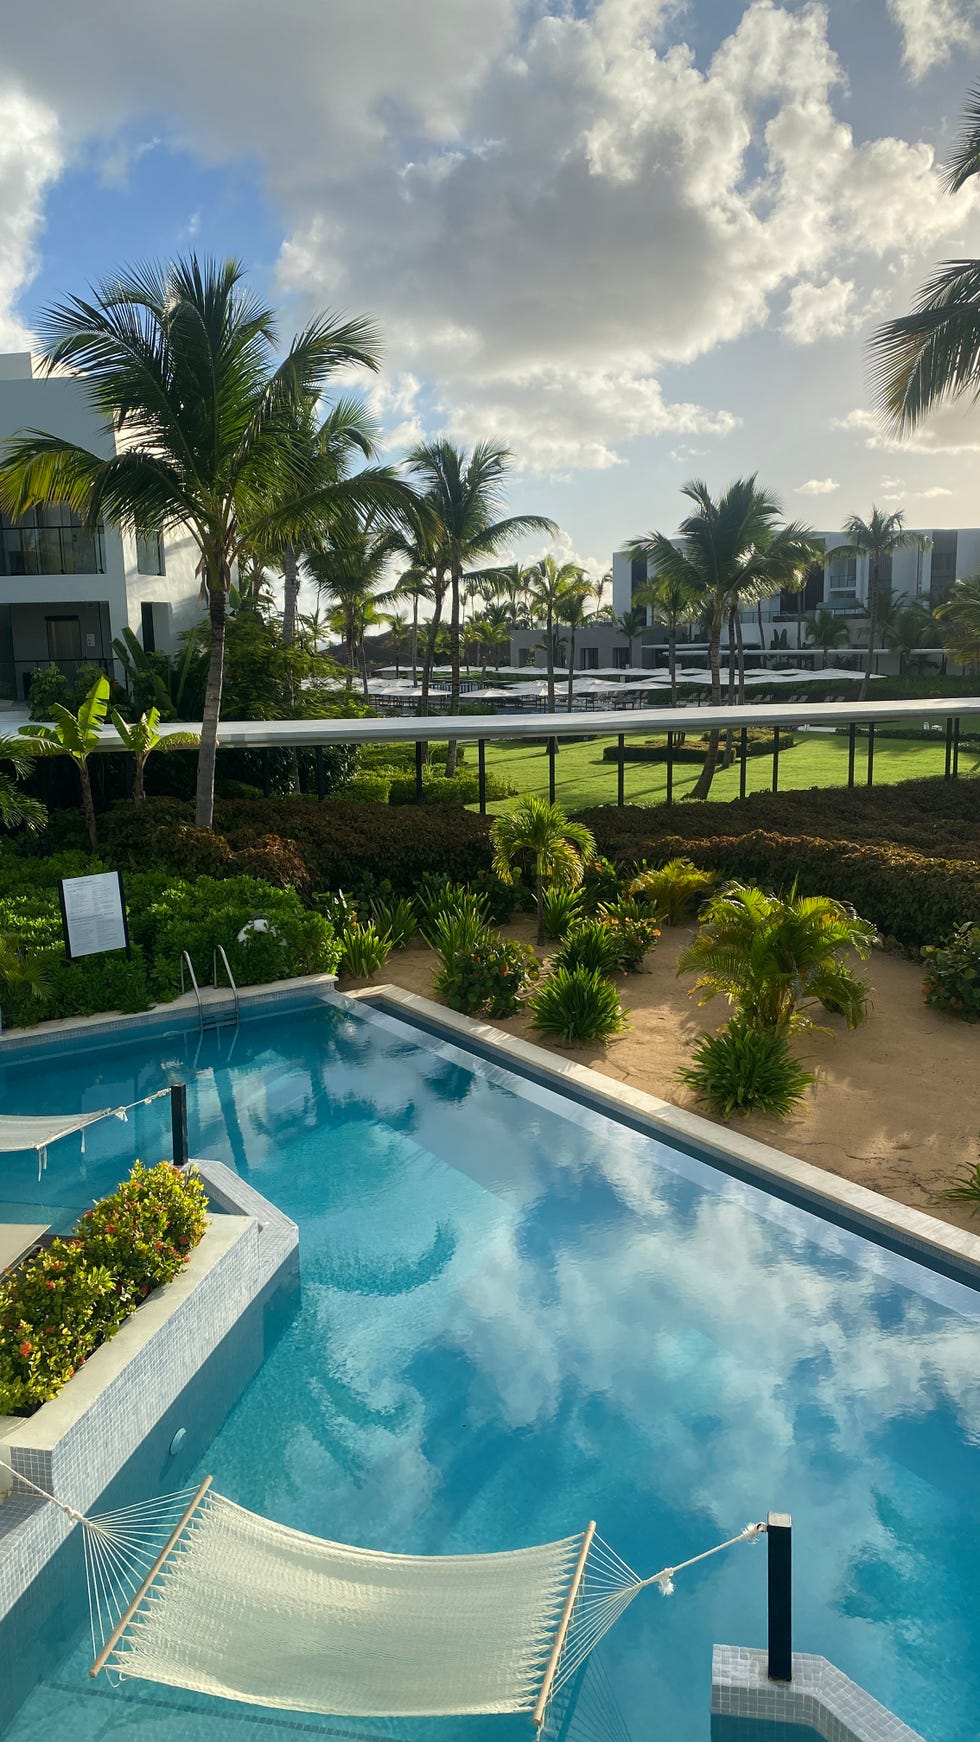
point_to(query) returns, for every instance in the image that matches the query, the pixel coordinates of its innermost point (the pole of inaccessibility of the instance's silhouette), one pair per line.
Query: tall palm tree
(573, 613)
(931, 356)
(960, 618)
(348, 575)
(673, 599)
(827, 630)
(464, 494)
(631, 624)
(725, 549)
(534, 830)
(179, 361)
(549, 585)
(910, 631)
(344, 438)
(877, 539)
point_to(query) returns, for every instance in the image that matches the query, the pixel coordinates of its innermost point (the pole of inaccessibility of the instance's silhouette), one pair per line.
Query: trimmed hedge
(760, 743)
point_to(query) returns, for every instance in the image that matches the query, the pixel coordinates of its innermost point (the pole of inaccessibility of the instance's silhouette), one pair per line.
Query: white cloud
(936, 490)
(828, 310)
(932, 29)
(817, 487)
(953, 429)
(30, 159)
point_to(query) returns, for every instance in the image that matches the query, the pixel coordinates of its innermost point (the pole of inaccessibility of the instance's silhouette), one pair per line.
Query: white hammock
(22, 1131)
(195, 1592)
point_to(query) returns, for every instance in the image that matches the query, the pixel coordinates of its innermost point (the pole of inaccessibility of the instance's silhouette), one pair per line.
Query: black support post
(552, 747)
(621, 772)
(871, 754)
(779, 1537)
(775, 760)
(321, 775)
(743, 756)
(419, 765)
(948, 769)
(956, 747)
(670, 767)
(481, 774)
(851, 751)
(178, 1121)
(266, 779)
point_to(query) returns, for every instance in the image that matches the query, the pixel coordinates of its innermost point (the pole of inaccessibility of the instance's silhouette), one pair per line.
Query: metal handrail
(219, 950)
(185, 959)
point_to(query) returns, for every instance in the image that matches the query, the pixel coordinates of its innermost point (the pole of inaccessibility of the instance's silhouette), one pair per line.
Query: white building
(66, 594)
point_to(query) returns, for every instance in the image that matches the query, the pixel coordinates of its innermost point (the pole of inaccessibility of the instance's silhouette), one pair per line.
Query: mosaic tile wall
(820, 1699)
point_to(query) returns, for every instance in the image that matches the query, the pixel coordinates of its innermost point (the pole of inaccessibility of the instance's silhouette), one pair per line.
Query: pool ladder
(217, 1012)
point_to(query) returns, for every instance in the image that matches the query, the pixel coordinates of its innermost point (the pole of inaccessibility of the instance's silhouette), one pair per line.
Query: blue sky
(636, 240)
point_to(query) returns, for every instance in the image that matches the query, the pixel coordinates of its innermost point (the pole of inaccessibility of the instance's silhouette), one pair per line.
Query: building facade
(67, 594)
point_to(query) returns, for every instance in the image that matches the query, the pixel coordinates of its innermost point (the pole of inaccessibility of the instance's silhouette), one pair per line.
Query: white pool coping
(920, 1235)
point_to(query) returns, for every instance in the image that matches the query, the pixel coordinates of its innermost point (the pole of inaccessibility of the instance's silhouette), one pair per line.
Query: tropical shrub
(453, 931)
(459, 788)
(62, 1303)
(489, 979)
(363, 950)
(694, 749)
(577, 1004)
(395, 919)
(952, 979)
(633, 929)
(562, 908)
(600, 883)
(966, 1190)
(745, 1069)
(536, 835)
(673, 890)
(592, 945)
(774, 959)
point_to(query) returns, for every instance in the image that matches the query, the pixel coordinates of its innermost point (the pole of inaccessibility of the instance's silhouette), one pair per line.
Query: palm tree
(141, 737)
(961, 612)
(398, 633)
(75, 735)
(346, 435)
(827, 630)
(931, 356)
(877, 539)
(572, 612)
(463, 493)
(179, 362)
(725, 550)
(16, 810)
(550, 584)
(673, 601)
(630, 624)
(348, 574)
(909, 631)
(541, 832)
(773, 958)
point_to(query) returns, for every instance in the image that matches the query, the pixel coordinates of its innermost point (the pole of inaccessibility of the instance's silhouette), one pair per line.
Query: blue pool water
(518, 1314)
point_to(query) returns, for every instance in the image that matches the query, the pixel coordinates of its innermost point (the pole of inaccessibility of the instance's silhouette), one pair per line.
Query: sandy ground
(897, 1103)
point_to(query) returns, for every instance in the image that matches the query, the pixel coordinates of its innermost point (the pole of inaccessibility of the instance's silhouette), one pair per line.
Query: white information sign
(94, 914)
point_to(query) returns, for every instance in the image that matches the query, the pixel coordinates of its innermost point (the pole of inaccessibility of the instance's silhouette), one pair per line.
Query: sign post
(93, 915)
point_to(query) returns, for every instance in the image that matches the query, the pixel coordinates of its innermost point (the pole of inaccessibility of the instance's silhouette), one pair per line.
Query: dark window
(49, 541)
(638, 573)
(64, 638)
(589, 658)
(943, 566)
(809, 596)
(621, 658)
(146, 627)
(150, 559)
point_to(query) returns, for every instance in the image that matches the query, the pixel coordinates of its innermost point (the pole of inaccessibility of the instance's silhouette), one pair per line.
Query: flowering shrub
(634, 930)
(952, 979)
(490, 976)
(66, 1300)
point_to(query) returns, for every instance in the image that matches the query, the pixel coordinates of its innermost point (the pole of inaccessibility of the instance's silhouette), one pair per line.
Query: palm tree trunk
(364, 669)
(454, 652)
(741, 653)
(290, 594)
(428, 657)
(415, 639)
(571, 670)
(539, 902)
(88, 804)
(872, 628)
(702, 786)
(549, 649)
(672, 659)
(138, 771)
(206, 756)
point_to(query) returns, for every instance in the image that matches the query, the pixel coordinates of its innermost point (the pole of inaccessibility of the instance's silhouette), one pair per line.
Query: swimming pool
(518, 1314)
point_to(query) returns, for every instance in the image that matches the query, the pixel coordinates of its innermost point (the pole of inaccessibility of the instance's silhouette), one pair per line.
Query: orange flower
(26, 1348)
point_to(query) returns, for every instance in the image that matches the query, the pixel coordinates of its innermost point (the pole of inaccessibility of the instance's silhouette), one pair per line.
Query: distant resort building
(66, 594)
(779, 625)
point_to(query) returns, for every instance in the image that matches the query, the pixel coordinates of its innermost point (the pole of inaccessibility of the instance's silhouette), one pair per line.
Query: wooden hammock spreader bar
(563, 1625)
(125, 1619)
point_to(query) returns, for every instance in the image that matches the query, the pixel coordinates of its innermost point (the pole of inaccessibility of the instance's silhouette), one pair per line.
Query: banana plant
(75, 735)
(141, 737)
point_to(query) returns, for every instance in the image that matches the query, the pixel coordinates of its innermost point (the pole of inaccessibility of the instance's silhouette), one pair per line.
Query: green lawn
(582, 779)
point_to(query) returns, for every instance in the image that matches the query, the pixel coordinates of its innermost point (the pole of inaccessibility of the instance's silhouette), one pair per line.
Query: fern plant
(577, 1004)
(396, 918)
(673, 890)
(590, 945)
(363, 950)
(744, 1069)
(562, 908)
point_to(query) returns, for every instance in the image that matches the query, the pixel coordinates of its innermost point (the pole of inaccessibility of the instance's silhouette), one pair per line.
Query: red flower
(49, 1285)
(26, 1348)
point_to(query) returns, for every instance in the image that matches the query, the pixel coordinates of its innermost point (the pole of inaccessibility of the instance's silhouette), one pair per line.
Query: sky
(635, 241)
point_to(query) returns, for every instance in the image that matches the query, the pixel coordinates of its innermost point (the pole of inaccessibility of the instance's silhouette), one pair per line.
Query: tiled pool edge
(180, 1013)
(819, 1696)
(76, 1445)
(917, 1234)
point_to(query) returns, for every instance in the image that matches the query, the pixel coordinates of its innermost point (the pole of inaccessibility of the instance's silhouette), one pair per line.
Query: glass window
(590, 658)
(621, 658)
(49, 541)
(64, 638)
(150, 558)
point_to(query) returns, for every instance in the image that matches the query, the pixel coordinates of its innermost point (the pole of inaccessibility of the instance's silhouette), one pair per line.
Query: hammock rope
(21, 1131)
(193, 1591)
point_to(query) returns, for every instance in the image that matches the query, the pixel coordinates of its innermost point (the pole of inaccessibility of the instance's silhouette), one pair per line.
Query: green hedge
(695, 749)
